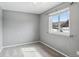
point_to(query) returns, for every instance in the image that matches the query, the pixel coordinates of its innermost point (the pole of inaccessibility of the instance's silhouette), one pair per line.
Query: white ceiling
(29, 7)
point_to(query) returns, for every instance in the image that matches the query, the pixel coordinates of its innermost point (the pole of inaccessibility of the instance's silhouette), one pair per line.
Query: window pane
(55, 22)
(64, 21)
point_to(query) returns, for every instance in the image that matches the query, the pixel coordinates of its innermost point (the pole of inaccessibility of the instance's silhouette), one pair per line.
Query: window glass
(64, 21)
(59, 21)
(55, 22)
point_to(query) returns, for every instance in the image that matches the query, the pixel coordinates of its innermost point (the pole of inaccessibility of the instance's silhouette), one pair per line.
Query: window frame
(58, 32)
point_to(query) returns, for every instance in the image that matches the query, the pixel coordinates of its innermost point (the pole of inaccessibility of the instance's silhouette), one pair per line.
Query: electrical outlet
(77, 52)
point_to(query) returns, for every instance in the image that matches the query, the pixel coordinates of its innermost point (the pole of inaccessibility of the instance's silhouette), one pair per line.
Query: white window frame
(50, 23)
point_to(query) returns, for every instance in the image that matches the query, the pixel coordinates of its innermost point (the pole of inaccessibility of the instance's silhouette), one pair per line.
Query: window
(59, 21)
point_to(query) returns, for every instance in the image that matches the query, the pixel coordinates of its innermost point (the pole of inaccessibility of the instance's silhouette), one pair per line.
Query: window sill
(60, 33)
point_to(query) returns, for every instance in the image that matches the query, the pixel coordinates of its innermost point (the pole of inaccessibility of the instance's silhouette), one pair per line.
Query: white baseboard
(19, 44)
(54, 49)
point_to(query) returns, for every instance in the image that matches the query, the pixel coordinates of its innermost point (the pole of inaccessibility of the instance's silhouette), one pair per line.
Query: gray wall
(1, 33)
(65, 44)
(20, 27)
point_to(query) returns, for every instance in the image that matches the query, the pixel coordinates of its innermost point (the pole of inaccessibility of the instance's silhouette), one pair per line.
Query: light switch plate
(77, 52)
